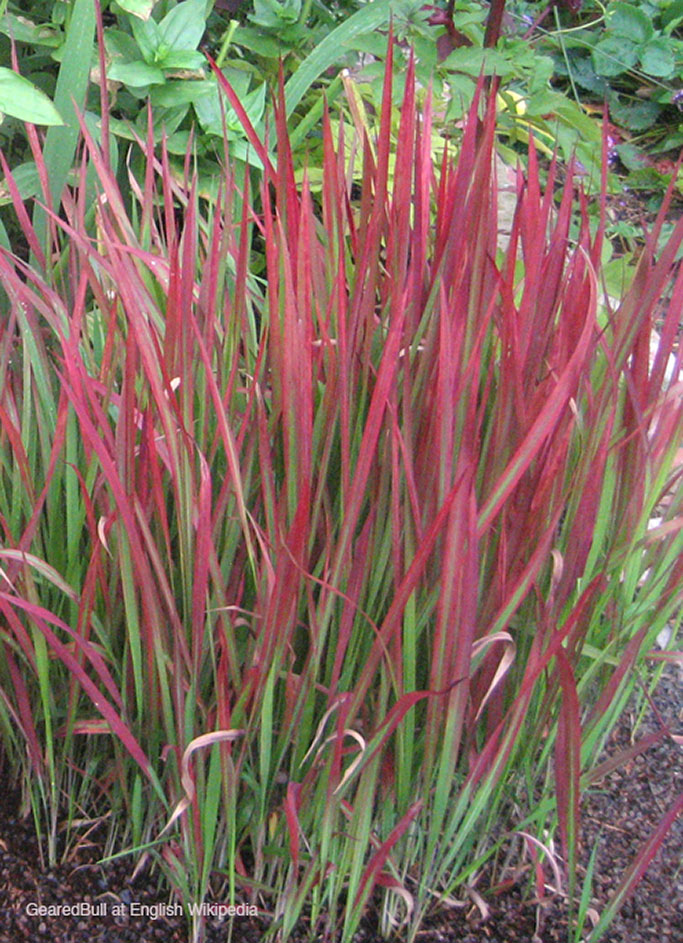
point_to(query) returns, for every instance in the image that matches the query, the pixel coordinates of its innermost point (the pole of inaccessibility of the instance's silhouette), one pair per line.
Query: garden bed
(619, 814)
(327, 566)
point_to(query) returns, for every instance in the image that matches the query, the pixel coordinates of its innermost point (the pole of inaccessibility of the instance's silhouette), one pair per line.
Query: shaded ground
(619, 815)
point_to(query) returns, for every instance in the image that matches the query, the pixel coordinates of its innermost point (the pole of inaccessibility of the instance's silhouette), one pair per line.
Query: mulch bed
(619, 815)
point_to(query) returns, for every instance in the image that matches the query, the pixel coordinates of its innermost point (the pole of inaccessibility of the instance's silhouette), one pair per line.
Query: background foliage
(558, 64)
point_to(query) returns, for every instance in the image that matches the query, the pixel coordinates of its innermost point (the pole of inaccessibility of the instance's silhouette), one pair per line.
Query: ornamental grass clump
(322, 587)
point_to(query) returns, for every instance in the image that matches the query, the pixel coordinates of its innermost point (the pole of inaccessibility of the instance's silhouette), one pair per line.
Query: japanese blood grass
(330, 585)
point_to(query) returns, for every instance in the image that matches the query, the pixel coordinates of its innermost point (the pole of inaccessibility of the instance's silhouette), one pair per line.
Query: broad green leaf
(186, 59)
(671, 12)
(22, 30)
(178, 143)
(461, 93)
(584, 74)
(673, 140)
(473, 60)
(636, 116)
(631, 157)
(275, 14)
(544, 102)
(21, 99)
(120, 45)
(27, 180)
(140, 8)
(211, 108)
(467, 59)
(573, 116)
(135, 74)
(614, 55)
(184, 26)
(176, 93)
(657, 58)
(373, 44)
(630, 23)
(258, 42)
(618, 275)
(148, 37)
(542, 73)
(164, 122)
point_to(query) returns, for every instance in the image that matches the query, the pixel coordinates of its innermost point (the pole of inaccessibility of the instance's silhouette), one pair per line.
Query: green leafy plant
(150, 55)
(330, 581)
(454, 47)
(160, 48)
(283, 17)
(632, 55)
(631, 39)
(69, 94)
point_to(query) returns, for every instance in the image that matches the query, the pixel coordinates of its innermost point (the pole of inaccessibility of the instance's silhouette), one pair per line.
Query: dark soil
(619, 814)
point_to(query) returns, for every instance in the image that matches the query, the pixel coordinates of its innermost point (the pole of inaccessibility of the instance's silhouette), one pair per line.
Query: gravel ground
(618, 814)
(622, 812)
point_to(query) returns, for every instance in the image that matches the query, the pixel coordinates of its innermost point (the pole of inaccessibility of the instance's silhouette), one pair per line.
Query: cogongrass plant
(323, 589)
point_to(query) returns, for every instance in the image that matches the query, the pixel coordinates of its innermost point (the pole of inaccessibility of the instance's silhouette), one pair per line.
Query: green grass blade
(326, 53)
(72, 84)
